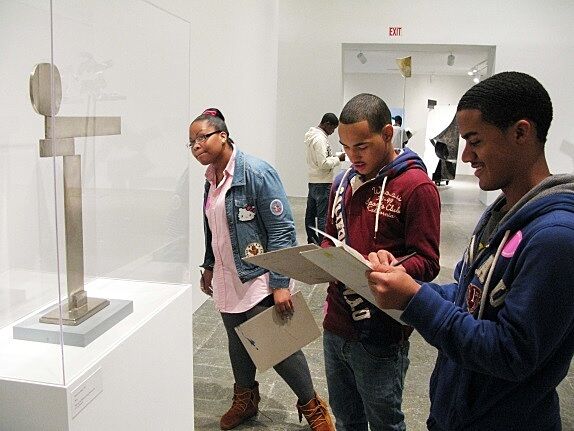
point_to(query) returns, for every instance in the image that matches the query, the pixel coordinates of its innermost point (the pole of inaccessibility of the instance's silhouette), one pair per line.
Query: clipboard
(312, 264)
(350, 270)
(269, 339)
(290, 263)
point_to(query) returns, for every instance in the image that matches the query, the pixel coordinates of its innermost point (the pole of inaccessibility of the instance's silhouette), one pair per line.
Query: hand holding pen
(383, 257)
(392, 287)
(400, 260)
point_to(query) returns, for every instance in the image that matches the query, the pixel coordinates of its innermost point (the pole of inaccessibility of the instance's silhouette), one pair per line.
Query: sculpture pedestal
(32, 329)
(137, 375)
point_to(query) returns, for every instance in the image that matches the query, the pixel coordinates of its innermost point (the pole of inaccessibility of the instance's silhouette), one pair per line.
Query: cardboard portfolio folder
(289, 262)
(269, 339)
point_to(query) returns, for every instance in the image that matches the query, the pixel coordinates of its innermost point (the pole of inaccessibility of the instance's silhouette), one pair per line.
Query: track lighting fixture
(475, 71)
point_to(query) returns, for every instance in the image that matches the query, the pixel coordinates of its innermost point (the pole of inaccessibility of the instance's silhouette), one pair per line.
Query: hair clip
(214, 112)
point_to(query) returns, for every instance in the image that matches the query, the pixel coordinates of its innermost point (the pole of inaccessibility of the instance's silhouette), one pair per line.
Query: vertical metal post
(74, 235)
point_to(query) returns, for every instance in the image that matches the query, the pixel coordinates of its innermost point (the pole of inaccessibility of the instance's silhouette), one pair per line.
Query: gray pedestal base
(81, 335)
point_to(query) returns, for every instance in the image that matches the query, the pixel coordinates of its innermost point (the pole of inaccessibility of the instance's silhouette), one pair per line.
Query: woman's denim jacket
(258, 215)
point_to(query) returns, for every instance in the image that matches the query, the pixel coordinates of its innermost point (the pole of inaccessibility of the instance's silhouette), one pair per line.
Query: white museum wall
(310, 78)
(178, 8)
(234, 68)
(136, 66)
(446, 90)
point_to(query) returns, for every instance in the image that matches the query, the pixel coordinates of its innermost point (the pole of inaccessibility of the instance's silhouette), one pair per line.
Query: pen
(402, 259)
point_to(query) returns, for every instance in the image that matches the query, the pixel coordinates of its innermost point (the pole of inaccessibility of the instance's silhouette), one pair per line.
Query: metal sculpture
(446, 149)
(46, 97)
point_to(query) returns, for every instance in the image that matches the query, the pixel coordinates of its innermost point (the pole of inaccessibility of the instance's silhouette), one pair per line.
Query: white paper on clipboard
(348, 266)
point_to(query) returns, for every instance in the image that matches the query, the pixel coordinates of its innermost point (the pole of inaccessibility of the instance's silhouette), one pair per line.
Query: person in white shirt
(399, 136)
(321, 164)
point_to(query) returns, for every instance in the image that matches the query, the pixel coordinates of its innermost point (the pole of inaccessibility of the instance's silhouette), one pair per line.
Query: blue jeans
(365, 383)
(317, 203)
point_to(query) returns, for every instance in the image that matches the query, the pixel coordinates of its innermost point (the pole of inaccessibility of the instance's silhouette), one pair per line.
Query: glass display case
(93, 170)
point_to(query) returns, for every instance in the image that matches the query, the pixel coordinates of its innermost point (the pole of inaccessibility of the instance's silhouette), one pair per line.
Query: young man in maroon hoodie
(384, 201)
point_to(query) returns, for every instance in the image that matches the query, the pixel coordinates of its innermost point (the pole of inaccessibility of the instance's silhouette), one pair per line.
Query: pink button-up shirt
(229, 293)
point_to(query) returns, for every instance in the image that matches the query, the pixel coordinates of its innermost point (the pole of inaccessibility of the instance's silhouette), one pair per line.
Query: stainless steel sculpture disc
(40, 89)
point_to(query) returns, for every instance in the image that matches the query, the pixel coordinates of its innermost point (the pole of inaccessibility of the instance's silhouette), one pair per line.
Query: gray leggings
(294, 370)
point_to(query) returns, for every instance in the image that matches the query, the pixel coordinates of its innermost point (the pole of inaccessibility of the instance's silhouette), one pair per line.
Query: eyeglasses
(200, 139)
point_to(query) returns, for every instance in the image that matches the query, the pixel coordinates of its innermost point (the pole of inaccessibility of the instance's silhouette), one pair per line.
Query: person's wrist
(412, 290)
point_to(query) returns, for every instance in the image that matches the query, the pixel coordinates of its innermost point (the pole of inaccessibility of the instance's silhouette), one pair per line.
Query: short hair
(398, 119)
(215, 118)
(330, 118)
(508, 97)
(368, 107)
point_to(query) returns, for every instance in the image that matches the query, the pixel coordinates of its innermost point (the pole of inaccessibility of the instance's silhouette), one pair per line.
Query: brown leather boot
(245, 402)
(317, 414)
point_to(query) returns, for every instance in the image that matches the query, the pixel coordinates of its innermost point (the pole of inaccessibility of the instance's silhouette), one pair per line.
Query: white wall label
(395, 31)
(86, 392)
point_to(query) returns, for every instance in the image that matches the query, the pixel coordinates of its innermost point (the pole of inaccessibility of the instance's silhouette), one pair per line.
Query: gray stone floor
(212, 372)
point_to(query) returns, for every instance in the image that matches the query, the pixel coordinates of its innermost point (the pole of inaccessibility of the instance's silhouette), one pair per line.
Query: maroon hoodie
(409, 220)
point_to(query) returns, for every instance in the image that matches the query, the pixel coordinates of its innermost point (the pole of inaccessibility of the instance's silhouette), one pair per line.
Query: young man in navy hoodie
(505, 329)
(384, 201)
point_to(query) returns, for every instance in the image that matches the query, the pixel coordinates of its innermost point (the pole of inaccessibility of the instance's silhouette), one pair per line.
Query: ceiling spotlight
(450, 60)
(476, 71)
(478, 67)
(362, 58)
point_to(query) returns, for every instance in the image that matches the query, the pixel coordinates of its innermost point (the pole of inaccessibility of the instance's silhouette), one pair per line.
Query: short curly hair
(508, 97)
(368, 107)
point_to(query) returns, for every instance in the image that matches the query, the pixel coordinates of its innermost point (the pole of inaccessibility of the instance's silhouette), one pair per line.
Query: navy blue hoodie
(505, 331)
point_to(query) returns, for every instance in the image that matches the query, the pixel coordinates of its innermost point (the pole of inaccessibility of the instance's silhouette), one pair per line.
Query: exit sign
(395, 31)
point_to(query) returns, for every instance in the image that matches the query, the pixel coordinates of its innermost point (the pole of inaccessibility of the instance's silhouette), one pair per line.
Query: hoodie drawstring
(490, 272)
(338, 193)
(337, 210)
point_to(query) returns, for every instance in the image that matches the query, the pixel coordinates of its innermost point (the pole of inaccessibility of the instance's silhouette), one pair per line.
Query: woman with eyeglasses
(246, 213)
